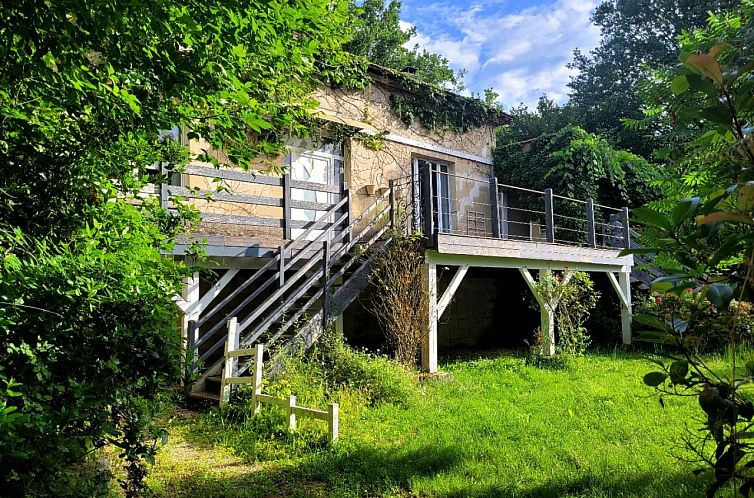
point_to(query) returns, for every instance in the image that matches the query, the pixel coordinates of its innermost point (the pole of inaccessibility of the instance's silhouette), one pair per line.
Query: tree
(710, 238)
(380, 38)
(87, 325)
(636, 34)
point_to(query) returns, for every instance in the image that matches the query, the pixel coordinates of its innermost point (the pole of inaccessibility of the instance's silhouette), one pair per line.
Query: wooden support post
(190, 296)
(287, 230)
(622, 286)
(332, 422)
(546, 312)
(549, 216)
(391, 186)
(591, 239)
(494, 208)
(429, 344)
(503, 202)
(547, 318)
(257, 376)
(291, 413)
(626, 229)
(427, 206)
(325, 278)
(231, 362)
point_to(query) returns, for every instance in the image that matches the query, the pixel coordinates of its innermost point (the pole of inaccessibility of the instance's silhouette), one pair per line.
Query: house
(293, 252)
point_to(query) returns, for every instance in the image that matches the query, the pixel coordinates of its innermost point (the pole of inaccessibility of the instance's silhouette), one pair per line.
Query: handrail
(271, 264)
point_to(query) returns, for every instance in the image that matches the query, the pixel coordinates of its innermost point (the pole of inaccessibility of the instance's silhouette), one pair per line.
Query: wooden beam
(182, 304)
(429, 345)
(214, 291)
(622, 286)
(447, 296)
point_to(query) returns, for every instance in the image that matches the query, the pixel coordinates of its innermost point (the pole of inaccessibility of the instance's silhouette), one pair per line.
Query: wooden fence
(232, 353)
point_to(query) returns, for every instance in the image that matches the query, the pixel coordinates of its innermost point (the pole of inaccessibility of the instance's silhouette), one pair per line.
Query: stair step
(204, 396)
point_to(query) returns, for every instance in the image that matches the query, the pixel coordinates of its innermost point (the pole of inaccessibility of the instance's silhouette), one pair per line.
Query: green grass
(499, 427)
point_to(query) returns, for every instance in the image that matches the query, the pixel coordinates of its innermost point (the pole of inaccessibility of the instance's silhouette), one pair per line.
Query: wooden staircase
(292, 299)
(644, 272)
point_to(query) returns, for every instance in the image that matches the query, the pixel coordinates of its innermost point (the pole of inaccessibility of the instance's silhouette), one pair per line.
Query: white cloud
(520, 54)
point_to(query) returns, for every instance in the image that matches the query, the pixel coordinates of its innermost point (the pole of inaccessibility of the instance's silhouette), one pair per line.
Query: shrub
(400, 302)
(332, 370)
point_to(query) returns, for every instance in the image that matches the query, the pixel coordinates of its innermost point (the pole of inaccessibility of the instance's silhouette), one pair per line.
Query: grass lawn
(497, 428)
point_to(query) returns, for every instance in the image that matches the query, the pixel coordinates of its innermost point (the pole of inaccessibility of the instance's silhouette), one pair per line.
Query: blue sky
(518, 47)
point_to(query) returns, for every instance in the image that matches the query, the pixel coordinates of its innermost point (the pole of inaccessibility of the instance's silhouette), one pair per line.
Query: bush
(332, 371)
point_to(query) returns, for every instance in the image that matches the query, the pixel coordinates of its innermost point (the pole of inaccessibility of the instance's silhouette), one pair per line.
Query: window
(440, 192)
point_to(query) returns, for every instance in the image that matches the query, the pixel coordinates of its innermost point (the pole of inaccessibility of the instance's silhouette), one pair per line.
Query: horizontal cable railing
(483, 207)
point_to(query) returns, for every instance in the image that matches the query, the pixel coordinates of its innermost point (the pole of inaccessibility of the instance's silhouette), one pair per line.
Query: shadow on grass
(656, 485)
(336, 472)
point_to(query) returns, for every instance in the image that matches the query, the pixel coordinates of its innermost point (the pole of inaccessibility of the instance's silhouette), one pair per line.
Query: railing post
(494, 208)
(281, 266)
(626, 228)
(325, 278)
(163, 186)
(391, 186)
(428, 210)
(287, 230)
(332, 422)
(191, 351)
(291, 413)
(591, 238)
(549, 216)
(503, 202)
(257, 375)
(231, 363)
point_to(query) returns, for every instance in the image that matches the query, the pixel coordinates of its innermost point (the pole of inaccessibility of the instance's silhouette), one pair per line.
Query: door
(324, 166)
(440, 193)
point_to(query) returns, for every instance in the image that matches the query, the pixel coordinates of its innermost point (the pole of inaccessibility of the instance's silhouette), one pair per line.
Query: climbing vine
(438, 109)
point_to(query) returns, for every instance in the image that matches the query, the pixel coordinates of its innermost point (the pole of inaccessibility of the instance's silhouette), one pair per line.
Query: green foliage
(709, 235)
(438, 109)
(379, 38)
(87, 325)
(499, 428)
(332, 368)
(572, 162)
(635, 35)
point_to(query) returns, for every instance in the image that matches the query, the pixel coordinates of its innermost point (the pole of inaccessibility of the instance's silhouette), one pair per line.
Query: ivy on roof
(436, 108)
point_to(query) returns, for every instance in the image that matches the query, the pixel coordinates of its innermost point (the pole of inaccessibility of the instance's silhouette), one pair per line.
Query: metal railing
(483, 207)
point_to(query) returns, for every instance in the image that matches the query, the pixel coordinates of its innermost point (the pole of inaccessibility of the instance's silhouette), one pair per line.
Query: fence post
(291, 413)
(332, 422)
(494, 208)
(231, 344)
(626, 228)
(391, 186)
(325, 278)
(591, 238)
(549, 216)
(257, 375)
(428, 210)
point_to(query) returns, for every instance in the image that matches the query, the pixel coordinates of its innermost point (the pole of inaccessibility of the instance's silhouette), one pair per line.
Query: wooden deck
(499, 253)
